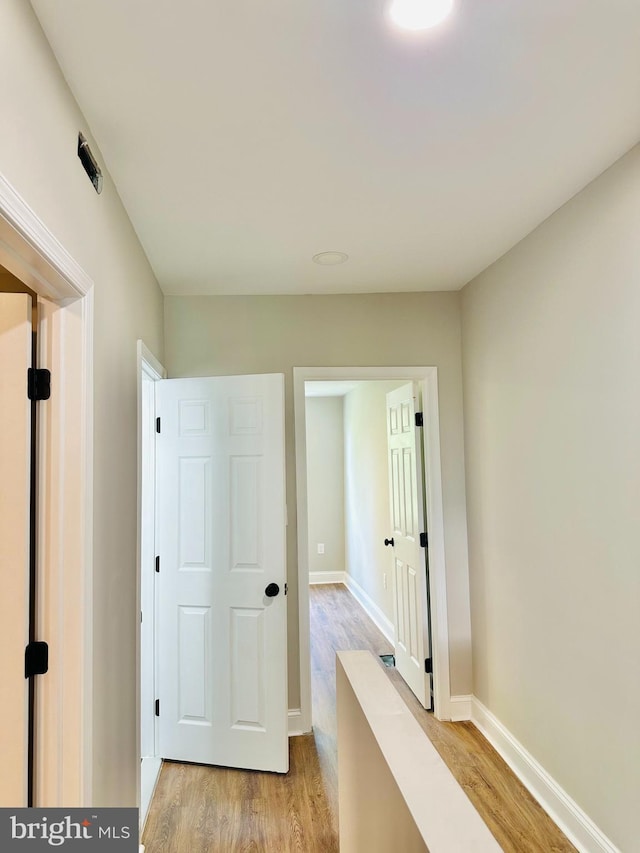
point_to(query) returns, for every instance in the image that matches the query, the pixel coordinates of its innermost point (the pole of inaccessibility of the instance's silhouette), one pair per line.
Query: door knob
(389, 542)
(272, 590)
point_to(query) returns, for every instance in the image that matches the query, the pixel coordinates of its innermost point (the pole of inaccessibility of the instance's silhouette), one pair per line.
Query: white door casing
(147, 558)
(15, 434)
(406, 493)
(221, 528)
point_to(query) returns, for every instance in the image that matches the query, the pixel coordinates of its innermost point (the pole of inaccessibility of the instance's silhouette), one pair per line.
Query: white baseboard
(571, 819)
(326, 577)
(371, 608)
(295, 722)
(460, 708)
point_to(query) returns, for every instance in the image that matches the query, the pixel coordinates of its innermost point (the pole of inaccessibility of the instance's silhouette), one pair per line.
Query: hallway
(199, 809)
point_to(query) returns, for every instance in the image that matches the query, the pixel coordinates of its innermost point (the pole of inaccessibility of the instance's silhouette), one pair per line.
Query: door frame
(148, 367)
(427, 377)
(29, 250)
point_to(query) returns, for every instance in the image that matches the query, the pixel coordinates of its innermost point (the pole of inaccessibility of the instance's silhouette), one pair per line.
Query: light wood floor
(198, 809)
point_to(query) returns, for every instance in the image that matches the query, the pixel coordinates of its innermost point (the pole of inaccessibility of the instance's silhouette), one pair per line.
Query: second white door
(222, 647)
(412, 652)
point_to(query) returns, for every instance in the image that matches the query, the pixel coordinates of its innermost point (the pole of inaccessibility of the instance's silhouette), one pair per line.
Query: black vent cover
(89, 162)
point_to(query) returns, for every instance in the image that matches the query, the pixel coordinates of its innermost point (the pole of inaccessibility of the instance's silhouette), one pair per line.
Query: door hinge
(157, 564)
(38, 383)
(428, 668)
(157, 707)
(36, 659)
(286, 588)
(419, 419)
(158, 425)
(424, 540)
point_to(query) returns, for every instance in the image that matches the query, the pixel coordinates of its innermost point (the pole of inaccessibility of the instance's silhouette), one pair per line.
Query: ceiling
(245, 137)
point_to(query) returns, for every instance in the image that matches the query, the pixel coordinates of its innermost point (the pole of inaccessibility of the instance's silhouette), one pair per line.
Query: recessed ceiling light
(419, 14)
(329, 259)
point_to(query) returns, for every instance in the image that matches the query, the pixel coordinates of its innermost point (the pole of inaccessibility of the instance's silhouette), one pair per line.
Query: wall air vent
(89, 162)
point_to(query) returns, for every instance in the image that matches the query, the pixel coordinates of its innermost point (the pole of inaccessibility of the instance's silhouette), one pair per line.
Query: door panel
(410, 559)
(221, 517)
(15, 438)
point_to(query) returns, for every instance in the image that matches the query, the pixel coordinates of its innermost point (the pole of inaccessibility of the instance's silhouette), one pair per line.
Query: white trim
(372, 610)
(150, 768)
(149, 363)
(85, 583)
(30, 252)
(572, 820)
(316, 578)
(460, 708)
(428, 377)
(295, 722)
(149, 366)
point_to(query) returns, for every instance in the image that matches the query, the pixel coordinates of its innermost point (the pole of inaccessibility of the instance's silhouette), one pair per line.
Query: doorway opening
(212, 522)
(348, 493)
(61, 747)
(426, 377)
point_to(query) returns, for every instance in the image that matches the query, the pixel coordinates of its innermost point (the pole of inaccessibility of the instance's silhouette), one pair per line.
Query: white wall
(552, 434)
(367, 491)
(226, 334)
(40, 121)
(325, 483)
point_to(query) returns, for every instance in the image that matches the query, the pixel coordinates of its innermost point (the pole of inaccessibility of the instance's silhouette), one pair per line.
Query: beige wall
(325, 482)
(552, 429)
(367, 491)
(40, 122)
(225, 335)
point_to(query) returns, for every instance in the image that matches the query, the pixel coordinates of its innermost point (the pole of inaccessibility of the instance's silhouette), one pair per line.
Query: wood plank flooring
(198, 809)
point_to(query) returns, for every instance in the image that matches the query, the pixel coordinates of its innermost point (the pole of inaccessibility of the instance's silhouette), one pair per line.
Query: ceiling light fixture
(330, 259)
(419, 14)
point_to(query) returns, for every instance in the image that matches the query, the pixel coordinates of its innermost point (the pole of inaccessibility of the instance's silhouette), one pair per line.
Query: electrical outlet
(384, 579)
(320, 547)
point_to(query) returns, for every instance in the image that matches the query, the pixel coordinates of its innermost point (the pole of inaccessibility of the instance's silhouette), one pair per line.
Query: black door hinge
(428, 668)
(36, 659)
(38, 383)
(157, 424)
(157, 564)
(424, 540)
(157, 707)
(419, 419)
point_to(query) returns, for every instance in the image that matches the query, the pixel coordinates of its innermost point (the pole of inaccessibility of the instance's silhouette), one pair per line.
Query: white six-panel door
(409, 558)
(221, 527)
